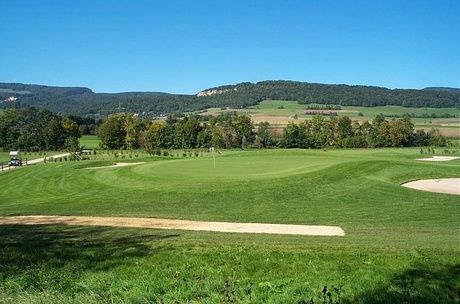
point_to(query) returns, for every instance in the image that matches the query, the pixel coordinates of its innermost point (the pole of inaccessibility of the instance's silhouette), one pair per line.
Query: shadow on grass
(419, 284)
(45, 256)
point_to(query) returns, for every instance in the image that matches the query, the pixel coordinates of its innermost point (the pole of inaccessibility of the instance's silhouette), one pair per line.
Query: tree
(344, 128)
(55, 135)
(32, 124)
(400, 132)
(435, 138)
(244, 130)
(291, 136)
(204, 137)
(264, 136)
(321, 132)
(304, 134)
(132, 127)
(191, 128)
(112, 132)
(9, 129)
(154, 137)
(383, 134)
(421, 138)
(72, 134)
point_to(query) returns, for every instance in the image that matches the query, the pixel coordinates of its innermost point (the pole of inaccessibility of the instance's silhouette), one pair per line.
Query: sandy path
(439, 158)
(117, 165)
(175, 224)
(443, 185)
(35, 161)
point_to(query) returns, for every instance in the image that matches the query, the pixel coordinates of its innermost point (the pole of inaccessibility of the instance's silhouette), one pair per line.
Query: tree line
(30, 129)
(342, 132)
(230, 130)
(225, 131)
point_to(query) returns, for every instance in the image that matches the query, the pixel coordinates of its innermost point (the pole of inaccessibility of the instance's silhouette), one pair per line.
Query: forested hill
(83, 101)
(341, 94)
(445, 89)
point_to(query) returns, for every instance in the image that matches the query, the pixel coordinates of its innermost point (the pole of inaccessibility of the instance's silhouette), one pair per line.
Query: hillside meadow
(401, 245)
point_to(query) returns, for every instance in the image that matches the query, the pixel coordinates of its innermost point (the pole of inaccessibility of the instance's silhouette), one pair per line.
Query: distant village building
(11, 99)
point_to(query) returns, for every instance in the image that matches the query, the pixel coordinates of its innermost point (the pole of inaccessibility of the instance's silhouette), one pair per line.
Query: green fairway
(394, 236)
(89, 142)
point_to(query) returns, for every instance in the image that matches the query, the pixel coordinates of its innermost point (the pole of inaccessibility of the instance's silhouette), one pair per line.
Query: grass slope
(400, 244)
(89, 142)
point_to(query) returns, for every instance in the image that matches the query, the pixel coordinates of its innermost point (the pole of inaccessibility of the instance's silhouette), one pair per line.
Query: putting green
(234, 167)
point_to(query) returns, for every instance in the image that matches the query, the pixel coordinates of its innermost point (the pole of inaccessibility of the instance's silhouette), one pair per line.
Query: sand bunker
(117, 165)
(439, 158)
(443, 185)
(175, 224)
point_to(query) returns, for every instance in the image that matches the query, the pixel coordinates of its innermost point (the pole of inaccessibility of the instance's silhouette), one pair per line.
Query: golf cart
(15, 159)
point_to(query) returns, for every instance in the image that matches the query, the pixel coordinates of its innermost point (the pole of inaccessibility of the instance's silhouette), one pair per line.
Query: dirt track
(35, 161)
(175, 224)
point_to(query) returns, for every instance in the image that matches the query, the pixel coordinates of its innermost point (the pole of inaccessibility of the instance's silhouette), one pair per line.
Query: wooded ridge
(84, 102)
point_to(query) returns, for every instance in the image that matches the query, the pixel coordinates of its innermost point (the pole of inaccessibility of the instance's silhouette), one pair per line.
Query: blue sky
(187, 46)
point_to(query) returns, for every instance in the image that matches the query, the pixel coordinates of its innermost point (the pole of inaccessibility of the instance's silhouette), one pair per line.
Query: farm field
(279, 112)
(401, 245)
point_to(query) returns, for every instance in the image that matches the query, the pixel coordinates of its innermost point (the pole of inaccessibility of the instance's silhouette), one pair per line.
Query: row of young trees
(237, 131)
(343, 133)
(32, 130)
